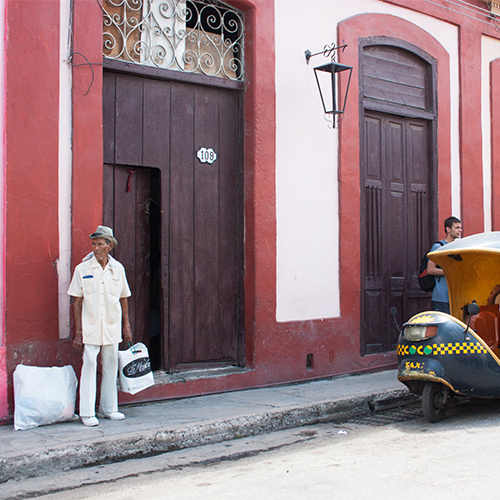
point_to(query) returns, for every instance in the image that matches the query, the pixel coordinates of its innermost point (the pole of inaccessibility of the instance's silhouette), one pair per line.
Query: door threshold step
(175, 378)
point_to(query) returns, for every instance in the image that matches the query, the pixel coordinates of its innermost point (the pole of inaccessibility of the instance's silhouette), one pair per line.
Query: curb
(154, 442)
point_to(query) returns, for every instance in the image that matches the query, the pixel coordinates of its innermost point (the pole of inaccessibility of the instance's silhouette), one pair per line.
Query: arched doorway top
(398, 74)
(373, 28)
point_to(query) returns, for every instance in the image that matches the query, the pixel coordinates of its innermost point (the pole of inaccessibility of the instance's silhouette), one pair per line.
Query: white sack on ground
(43, 395)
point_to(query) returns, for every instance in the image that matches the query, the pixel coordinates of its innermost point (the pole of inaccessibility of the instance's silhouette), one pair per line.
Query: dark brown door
(127, 198)
(178, 220)
(395, 224)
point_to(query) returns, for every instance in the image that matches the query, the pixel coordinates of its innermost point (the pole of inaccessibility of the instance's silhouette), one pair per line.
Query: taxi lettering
(415, 365)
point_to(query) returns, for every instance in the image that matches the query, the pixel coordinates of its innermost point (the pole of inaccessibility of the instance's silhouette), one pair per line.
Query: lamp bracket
(328, 51)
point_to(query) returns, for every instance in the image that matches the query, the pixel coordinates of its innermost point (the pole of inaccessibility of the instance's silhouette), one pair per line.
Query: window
(204, 37)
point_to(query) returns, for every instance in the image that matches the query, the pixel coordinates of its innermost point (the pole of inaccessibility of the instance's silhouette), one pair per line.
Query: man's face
(101, 249)
(456, 230)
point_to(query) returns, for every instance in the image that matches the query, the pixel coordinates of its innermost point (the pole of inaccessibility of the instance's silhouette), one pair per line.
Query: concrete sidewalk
(155, 428)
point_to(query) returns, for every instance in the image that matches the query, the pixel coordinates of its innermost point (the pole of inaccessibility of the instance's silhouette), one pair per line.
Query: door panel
(231, 228)
(156, 128)
(128, 128)
(395, 224)
(181, 241)
(206, 228)
(126, 198)
(420, 210)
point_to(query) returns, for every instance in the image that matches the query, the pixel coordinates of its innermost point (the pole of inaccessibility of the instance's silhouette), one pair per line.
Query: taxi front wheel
(434, 401)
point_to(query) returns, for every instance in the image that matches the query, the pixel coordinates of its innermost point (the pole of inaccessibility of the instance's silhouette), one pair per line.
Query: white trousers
(88, 379)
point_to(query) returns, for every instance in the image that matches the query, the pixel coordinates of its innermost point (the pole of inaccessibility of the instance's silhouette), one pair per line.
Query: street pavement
(154, 428)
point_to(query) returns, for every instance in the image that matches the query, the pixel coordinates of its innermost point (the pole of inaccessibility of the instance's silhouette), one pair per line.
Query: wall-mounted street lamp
(326, 80)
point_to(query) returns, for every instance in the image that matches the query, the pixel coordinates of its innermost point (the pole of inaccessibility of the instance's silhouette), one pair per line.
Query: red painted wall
(4, 402)
(32, 67)
(470, 126)
(4, 405)
(495, 140)
(87, 126)
(276, 352)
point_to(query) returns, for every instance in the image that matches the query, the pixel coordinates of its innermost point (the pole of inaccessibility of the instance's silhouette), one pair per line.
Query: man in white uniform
(100, 290)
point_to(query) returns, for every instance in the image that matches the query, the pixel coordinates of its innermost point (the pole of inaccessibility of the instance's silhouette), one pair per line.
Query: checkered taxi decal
(441, 349)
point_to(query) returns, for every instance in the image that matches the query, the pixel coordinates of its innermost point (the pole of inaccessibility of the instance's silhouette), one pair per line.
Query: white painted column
(490, 50)
(65, 167)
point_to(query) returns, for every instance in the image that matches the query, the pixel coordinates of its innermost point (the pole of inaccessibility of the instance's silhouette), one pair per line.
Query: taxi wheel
(434, 402)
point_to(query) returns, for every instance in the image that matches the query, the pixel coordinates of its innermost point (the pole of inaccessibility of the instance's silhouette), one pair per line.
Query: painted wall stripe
(65, 166)
(490, 50)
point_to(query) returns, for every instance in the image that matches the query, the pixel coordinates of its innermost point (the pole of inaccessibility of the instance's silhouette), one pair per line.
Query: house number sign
(206, 155)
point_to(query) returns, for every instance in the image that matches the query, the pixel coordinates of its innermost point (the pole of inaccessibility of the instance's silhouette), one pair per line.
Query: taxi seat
(487, 325)
(494, 297)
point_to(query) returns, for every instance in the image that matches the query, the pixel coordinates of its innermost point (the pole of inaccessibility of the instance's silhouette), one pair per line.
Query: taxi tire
(433, 405)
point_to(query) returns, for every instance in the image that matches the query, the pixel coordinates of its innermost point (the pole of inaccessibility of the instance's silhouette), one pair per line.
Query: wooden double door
(178, 218)
(397, 223)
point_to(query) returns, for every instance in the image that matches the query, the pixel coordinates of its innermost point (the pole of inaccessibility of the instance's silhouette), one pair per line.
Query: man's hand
(77, 308)
(126, 330)
(78, 342)
(127, 333)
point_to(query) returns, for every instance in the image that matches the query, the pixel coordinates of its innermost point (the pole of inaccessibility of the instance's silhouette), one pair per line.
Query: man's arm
(433, 269)
(77, 310)
(126, 330)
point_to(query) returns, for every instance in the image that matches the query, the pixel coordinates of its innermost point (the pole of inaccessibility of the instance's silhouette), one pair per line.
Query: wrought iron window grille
(204, 37)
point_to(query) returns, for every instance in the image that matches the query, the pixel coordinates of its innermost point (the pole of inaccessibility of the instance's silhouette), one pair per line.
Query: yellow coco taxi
(440, 355)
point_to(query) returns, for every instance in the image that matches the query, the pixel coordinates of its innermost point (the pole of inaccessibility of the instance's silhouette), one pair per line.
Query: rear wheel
(434, 401)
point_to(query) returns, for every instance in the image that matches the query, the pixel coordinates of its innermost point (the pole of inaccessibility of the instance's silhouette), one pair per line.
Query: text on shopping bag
(137, 368)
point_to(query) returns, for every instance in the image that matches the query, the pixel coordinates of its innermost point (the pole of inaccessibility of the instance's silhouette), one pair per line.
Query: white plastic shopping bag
(43, 395)
(135, 373)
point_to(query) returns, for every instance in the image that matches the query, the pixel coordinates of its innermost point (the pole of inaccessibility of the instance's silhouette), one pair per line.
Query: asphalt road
(391, 455)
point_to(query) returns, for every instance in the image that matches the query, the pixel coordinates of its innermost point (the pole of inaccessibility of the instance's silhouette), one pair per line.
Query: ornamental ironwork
(204, 37)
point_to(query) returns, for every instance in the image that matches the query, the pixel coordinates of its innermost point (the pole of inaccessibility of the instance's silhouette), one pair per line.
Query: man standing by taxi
(100, 290)
(440, 301)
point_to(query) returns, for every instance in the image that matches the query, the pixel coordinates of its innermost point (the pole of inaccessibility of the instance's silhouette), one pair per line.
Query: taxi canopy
(472, 269)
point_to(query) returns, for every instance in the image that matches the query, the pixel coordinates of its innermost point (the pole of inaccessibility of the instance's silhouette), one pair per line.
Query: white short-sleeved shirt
(101, 290)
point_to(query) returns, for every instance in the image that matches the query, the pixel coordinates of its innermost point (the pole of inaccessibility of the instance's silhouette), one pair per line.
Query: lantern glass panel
(326, 88)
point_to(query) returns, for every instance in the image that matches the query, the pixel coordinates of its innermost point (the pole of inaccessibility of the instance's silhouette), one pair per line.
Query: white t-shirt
(101, 290)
